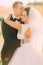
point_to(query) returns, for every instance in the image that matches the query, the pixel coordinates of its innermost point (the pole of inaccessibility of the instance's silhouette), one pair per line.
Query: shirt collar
(13, 15)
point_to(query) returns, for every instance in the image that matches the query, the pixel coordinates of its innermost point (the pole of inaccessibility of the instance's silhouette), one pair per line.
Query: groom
(11, 43)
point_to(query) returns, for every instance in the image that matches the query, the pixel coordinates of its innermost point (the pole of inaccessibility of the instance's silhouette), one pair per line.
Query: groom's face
(19, 9)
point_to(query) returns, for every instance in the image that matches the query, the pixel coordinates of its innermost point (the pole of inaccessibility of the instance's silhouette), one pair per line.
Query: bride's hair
(27, 9)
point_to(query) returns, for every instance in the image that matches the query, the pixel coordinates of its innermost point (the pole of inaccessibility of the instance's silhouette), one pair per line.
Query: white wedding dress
(29, 53)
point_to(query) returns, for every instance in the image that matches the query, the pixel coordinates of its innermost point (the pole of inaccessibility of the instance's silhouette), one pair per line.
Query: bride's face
(24, 17)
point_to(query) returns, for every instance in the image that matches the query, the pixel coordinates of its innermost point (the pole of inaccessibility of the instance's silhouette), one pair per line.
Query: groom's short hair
(15, 4)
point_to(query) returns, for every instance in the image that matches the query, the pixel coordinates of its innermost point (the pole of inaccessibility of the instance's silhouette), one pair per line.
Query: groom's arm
(13, 24)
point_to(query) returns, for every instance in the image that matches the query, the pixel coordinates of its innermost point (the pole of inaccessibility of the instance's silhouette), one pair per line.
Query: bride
(30, 51)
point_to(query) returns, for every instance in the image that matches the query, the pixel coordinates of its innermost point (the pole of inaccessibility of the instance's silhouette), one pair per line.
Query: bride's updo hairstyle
(27, 9)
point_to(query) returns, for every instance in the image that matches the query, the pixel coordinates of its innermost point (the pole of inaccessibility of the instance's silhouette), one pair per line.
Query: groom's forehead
(20, 6)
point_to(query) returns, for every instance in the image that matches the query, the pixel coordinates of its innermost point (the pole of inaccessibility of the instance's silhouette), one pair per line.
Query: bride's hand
(26, 40)
(28, 33)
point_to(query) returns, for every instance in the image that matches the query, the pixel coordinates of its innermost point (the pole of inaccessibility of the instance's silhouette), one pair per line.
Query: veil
(36, 22)
(36, 18)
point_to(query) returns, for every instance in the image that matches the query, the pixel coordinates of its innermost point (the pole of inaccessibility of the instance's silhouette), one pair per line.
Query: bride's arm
(13, 24)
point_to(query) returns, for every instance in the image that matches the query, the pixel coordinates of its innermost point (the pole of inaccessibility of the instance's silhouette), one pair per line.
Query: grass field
(0, 62)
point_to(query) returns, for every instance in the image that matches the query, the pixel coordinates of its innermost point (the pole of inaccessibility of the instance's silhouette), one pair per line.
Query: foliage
(36, 3)
(1, 18)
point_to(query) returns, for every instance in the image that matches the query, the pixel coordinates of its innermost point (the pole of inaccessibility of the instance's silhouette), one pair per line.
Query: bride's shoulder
(25, 26)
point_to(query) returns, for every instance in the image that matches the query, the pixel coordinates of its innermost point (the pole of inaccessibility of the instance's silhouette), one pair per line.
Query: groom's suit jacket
(10, 39)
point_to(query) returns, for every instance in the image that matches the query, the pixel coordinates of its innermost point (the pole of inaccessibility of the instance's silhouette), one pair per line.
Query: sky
(10, 2)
